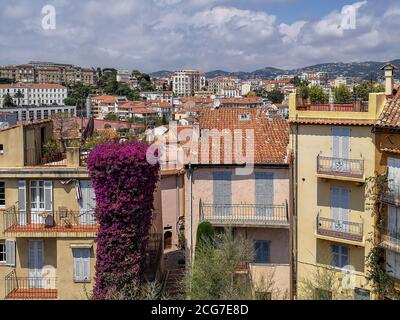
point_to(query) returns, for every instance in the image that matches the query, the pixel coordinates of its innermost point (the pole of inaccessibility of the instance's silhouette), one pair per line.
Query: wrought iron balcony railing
(340, 229)
(391, 195)
(340, 167)
(245, 214)
(49, 221)
(29, 287)
(390, 239)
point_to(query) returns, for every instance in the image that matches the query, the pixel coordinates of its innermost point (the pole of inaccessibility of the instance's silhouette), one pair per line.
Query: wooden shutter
(336, 142)
(394, 175)
(48, 195)
(257, 251)
(22, 214)
(335, 203)
(264, 188)
(222, 192)
(341, 142)
(81, 264)
(10, 253)
(267, 253)
(344, 256)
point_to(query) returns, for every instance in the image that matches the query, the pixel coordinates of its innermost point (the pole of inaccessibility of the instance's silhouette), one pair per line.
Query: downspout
(295, 209)
(191, 212)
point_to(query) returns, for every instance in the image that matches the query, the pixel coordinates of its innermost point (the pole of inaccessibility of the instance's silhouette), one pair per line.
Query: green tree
(342, 94)
(363, 89)
(318, 95)
(213, 275)
(19, 95)
(70, 101)
(111, 116)
(275, 96)
(7, 101)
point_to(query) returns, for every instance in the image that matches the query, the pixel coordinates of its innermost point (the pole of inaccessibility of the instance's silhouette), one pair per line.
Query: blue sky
(204, 34)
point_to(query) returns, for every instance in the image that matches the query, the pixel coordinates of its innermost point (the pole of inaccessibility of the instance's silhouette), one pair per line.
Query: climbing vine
(382, 284)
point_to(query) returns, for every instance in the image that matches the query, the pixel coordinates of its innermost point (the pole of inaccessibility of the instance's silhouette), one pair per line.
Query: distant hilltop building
(48, 72)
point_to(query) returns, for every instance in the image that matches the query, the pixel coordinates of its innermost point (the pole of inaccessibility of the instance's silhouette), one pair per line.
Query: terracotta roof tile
(390, 115)
(271, 134)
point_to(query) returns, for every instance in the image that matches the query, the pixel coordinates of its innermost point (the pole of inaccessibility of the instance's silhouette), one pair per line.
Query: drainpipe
(191, 212)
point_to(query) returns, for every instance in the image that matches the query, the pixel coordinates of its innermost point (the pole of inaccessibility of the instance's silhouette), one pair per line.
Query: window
(3, 256)
(2, 194)
(393, 264)
(1, 149)
(362, 294)
(41, 195)
(262, 251)
(340, 256)
(81, 264)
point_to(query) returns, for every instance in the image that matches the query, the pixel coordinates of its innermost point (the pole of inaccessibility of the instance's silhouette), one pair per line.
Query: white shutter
(86, 264)
(391, 224)
(10, 253)
(397, 266)
(48, 195)
(81, 264)
(22, 214)
(335, 203)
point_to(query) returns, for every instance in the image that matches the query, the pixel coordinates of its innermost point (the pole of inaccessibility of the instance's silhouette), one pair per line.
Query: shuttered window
(222, 192)
(340, 256)
(262, 251)
(393, 264)
(10, 252)
(3, 258)
(81, 264)
(264, 188)
(2, 195)
(22, 215)
(394, 175)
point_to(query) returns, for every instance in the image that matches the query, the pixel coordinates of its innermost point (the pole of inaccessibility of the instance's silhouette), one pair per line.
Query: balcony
(49, 223)
(355, 106)
(29, 287)
(245, 215)
(338, 168)
(340, 230)
(391, 196)
(390, 240)
(73, 157)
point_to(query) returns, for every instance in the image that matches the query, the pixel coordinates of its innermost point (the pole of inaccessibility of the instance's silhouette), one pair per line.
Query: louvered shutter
(48, 196)
(22, 214)
(390, 262)
(10, 253)
(222, 193)
(264, 188)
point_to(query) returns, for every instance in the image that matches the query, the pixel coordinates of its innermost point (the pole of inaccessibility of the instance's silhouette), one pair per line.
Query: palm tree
(19, 95)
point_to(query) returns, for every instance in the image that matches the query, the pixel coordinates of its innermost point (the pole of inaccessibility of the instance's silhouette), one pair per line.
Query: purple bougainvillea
(124, 183)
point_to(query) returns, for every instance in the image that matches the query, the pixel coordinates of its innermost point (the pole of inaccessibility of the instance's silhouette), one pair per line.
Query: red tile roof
(390, 115)
(271, 134)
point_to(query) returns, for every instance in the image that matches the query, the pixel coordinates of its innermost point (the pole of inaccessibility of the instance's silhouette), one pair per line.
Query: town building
(255, 203)
(334, 152)
(34, 94)
(186, 82)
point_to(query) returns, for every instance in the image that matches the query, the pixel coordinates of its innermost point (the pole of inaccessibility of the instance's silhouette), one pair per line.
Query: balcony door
(340, 207)
(393, 223)
(87, 203)
(340, 149)
(264, 194)
(41, 200)
(222, 192)
(36, 262)
(394, 176)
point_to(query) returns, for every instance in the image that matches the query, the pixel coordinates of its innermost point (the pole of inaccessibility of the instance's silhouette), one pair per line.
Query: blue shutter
(264, 193)
(222, 192)
(262, 251)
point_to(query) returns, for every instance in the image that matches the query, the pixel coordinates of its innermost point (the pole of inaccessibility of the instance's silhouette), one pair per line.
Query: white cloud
(204, 34)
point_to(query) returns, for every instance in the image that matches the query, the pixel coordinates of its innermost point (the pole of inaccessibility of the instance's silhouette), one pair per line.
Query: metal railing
(356, 106)
(49, 221)
(340, 229)
(390, 239)
(391, 195)
(30, 287)
(248, 214)
(340, 167)
(35, 157)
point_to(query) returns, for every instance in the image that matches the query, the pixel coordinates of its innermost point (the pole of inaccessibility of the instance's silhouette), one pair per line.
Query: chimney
(389, 77)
